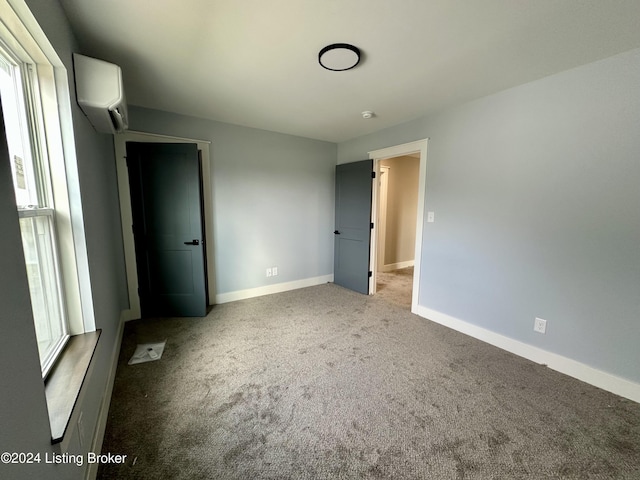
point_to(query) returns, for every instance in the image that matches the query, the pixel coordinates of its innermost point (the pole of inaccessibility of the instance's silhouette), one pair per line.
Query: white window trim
(21, 32)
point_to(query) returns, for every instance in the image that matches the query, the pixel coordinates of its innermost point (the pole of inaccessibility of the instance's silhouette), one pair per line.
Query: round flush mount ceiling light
(367, 114)
(339, 57)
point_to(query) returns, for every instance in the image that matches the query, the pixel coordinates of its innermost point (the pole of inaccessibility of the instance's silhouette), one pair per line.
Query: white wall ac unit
(100, 93)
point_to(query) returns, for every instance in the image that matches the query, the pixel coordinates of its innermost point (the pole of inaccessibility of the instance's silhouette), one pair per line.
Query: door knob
(193, 242)
(336, 232)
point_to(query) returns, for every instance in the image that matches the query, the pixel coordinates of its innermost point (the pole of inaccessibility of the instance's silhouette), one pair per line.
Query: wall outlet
(540, 325)
(274, 271)
(269, 272)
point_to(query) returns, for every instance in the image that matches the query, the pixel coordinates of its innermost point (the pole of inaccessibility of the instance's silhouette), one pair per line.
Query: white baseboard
(396, 266)
(606, 381)
(275, 288)
(103, 414)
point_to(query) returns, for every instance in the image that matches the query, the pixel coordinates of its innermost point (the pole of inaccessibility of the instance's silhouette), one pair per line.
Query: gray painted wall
(24, 424)
(536, 197)
(272, 199)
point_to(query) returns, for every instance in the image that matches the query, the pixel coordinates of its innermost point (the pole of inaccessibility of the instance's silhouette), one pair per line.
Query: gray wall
(536, 197)
(24, 424)
(272, 195)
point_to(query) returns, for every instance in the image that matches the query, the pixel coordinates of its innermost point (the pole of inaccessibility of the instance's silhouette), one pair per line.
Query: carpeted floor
(324, 383)
(396, 286)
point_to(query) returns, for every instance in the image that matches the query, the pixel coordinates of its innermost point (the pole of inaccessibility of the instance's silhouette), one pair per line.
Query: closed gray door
(353, 225)
(167, 223)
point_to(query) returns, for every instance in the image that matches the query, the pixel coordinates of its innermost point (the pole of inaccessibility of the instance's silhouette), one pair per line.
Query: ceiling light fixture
(339, 57)
(367, 114)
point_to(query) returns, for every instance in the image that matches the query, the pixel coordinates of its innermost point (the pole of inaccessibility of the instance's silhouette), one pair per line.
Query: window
(36, 210)
(36, 108)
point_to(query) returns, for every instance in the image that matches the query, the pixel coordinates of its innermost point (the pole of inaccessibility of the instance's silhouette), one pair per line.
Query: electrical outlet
(269, 272)
(540, 325)
(274, 271)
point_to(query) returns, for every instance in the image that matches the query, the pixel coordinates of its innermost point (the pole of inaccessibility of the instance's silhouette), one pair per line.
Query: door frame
(120, 145)
(418, 146)
(383, 184)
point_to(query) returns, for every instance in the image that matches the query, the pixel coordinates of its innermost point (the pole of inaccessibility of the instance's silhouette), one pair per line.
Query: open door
(353, 225)
(166, 204)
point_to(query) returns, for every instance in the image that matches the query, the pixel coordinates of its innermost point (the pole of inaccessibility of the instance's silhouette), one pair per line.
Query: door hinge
(371, 225)
(370, 274)
(373, 174)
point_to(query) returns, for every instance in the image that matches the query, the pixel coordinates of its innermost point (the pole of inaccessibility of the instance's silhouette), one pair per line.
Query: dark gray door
(167, 223)
(353, 225)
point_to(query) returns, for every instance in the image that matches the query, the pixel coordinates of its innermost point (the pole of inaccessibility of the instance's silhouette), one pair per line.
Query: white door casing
(397, 151)
(120, 141)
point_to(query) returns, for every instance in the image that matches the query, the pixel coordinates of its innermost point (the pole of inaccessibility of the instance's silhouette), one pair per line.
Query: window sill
(65, 380)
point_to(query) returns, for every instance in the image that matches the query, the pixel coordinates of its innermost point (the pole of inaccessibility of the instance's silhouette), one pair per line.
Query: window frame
(24, 39)
(36, 210)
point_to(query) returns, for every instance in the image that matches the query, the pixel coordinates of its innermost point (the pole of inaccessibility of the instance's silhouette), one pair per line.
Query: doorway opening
(397, 215)
(396, 235)
(165, 181)
(120, 142)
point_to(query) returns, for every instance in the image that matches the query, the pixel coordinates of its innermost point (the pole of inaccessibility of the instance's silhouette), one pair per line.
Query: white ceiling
(255, 62)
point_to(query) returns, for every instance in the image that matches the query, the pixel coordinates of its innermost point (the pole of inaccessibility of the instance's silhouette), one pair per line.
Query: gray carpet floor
(324, 383)
(396, 286)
